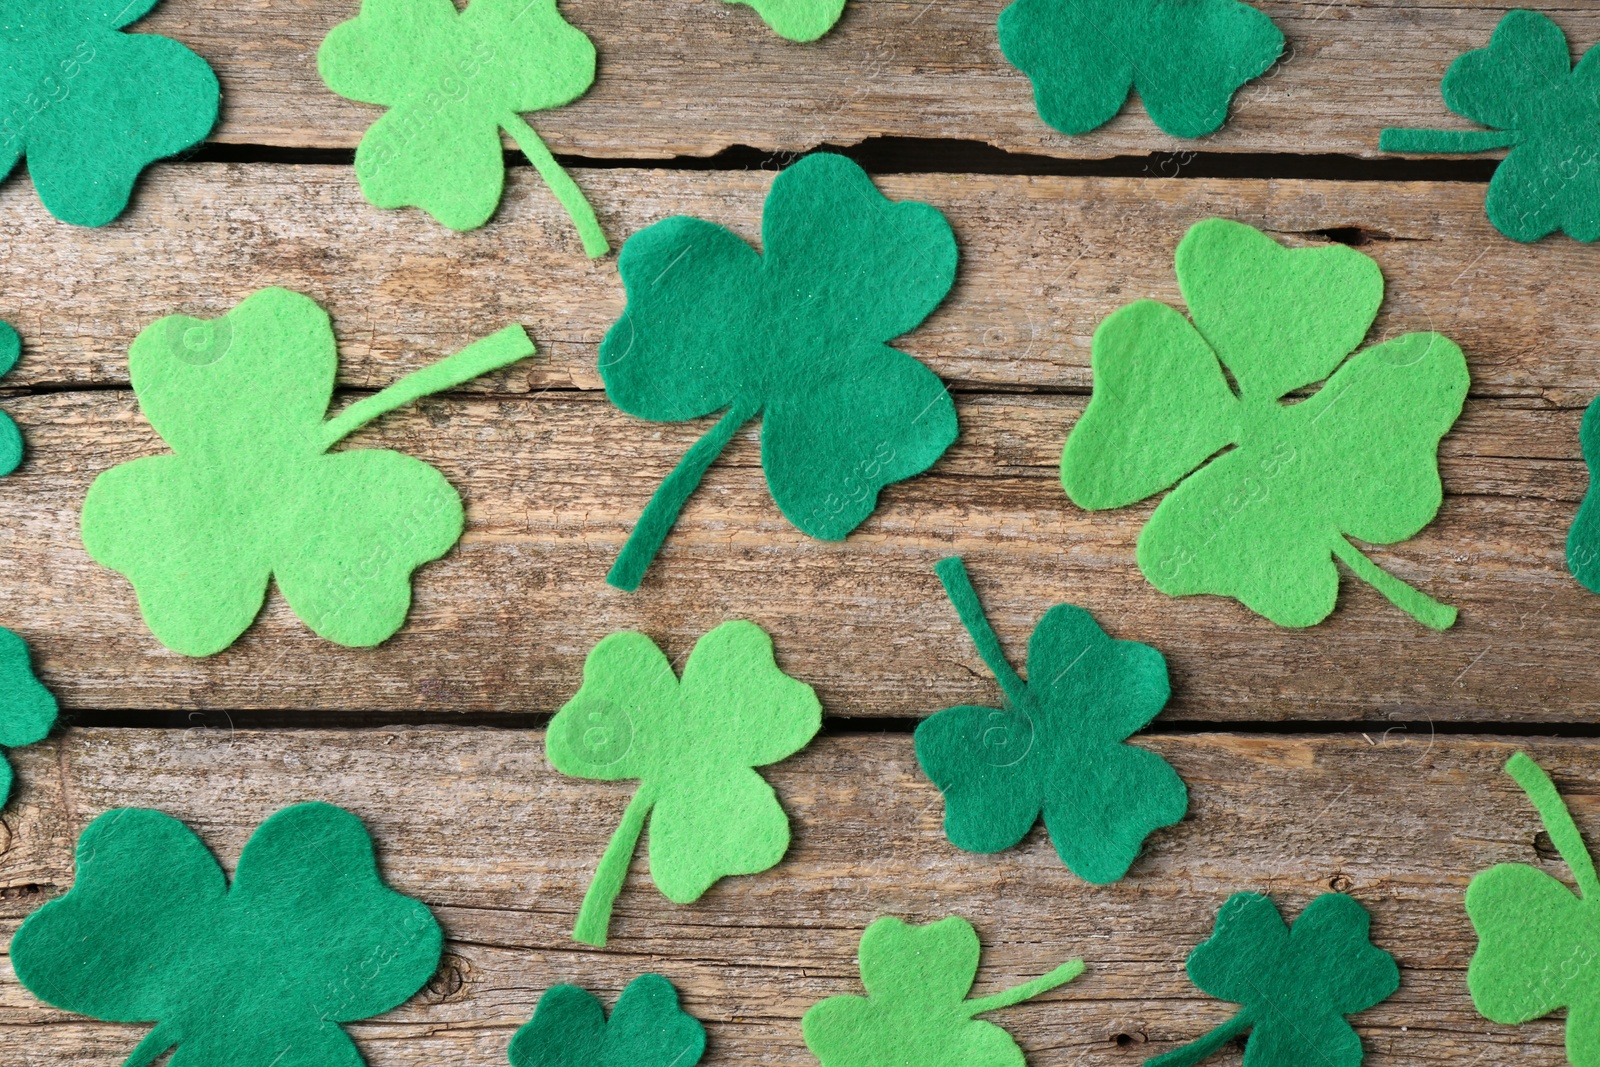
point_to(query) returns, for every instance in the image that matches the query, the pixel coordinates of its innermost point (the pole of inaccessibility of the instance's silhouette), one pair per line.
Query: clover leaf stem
(560, 183)
(958, 587)
(155, 1043)
(1429, 141)
(1419, 605)
(1557, 821)
(594, 916)
(1026, 991)
(1199, 1049)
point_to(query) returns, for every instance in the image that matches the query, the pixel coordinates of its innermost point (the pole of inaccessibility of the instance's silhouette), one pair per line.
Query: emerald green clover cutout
(1268, 493)
(251, 492)
(27, 708)
(647, 1028)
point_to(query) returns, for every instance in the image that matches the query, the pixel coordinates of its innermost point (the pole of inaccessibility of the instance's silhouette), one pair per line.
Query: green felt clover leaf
(797, 20)
(1057, 745)
(1295, 986)
(647, 1029)
(1263, 521)
(798, 334)
(91, 107)
(10, 436)
(252, 492)
(257, 974)
(915, 1010)
(1544, 109)
(1583, 539)
(1186, 58)
(452, 80)
(27, 708)
(693, 744)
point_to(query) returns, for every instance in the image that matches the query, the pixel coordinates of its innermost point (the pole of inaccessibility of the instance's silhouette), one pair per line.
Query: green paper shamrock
(1296, 986)
(693, 745)
(1583, 540)
(797, 334)
(10, 436)
(452, 80)
(90, 106)
(647, 1029)
(1541, 107)
(27, 709)
(915, 1011)
(259, 974)
(1263, 521)
(1186, 58)
(253, 493)
(1057, 745)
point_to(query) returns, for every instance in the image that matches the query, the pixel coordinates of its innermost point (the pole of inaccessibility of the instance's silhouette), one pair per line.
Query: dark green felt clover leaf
(259, 974)
(1186, 58)
(91, 106)
(693, 744)
(1262, 521)
(27, 709)
(1544, 109)
(646, 1029)
(1057, 744)
(1583, 539)
(1295, 986)
(797, 334)
(915, 1010)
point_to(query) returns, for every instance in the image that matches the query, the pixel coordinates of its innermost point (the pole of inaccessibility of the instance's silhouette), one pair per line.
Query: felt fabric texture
(259, 974)
(797, 334)
(1583, 539)
(252, 493)
(1264, 520)
(797, 20)
(10, 436)
(1294, 986)
(915, 1010)
(452, 80)
(91, 107)
(646, 1029)
(1538, 941)
(1186, 58)
(1547, 111)
(27, 708)
(693, 744)
(1056, 745)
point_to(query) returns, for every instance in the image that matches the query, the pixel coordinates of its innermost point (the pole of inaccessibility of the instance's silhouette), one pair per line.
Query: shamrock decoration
(914, 1011)
(693, 745)
(647, 1029)
(252, 492)
(1541, 107)
(797, 20)
(27, 710)
(797, 334)
(1057, 745)
(1583, 540)
(1186, 58)
(10, 436)
(453, 79)
(90, 106)
(1263, 521)
(253, 975)
(1295, 986)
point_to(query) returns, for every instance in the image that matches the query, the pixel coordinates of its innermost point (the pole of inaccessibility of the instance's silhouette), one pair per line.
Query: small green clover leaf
(915, 1011)
(10, 436)
(253, 975)
(27, 708)
(798, 334)
(1295, 987)
(1583, 539)
(693, 745)
(1262, 522)
(1057, 746)
(1544, 109)
(252, 493)
(797, 20)
(452, 80)
(646, 1029)
(91, 107)
(1186, 58)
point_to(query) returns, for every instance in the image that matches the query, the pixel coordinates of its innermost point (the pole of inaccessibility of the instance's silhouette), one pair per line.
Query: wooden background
(1362, 755)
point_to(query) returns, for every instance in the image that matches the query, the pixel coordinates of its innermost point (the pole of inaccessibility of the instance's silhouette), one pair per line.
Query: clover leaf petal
(797, 20)
(647, 1029)
(27, 708)
(1583, 539)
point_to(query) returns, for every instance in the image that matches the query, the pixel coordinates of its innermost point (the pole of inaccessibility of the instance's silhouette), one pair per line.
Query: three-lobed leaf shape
(1263, 521)
(258, 974)
(27, 708)
(1583, 539)
(798, 334)
(646, 1029)
(252, 493)
(693, 744)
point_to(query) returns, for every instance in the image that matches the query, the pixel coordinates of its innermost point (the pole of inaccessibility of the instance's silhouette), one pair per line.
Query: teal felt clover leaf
(1057, 746)
(1186, 58)
(1547, 111)
(1262, 521)
(1294, 987)
(647, 1028)
(10, 436)
(256, 974)
(27, 708)
(693, 743)
(797, 334)
(1583, 539)
(90, 106)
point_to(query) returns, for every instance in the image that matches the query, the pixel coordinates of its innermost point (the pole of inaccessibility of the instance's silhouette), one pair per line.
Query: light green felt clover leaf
(915, 1010)
(256, 974)
(252, 493)
(647, 1028)
(452, 80)
(693, 744)
(1263, 521)
(797, 20)
(27, 708)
